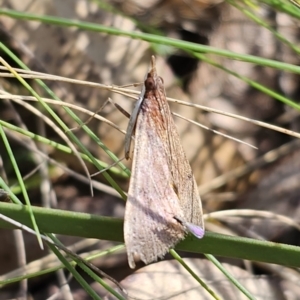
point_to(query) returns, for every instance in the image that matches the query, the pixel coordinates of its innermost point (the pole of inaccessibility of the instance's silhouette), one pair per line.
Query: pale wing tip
(196, 230)
(131, 261)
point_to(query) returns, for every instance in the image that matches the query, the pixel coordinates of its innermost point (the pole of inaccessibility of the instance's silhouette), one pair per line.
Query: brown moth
(163, 202)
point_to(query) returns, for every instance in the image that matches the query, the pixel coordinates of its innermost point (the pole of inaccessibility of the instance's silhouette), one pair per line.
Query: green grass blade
(252, 83)
(189, 46)
(62, 124)
(93, 226)
(284, 6)
(60, 147)
(22, 185)
(11, 278)
(100, 280)
(229, 276)
(76, 275)
(258, 20)
(194, 275)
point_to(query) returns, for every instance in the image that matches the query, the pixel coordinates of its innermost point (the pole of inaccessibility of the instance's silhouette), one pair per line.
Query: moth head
(150, 83)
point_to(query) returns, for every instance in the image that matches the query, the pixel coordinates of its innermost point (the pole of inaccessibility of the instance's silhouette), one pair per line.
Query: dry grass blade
(47, 120)
(249, 120)
(70, 253)
(49, 261)
(214, 131)
(37, 75)
(132, 94)
(267, 158)
(51, 124)
(96, 184)
(16, 98)
(250, 213)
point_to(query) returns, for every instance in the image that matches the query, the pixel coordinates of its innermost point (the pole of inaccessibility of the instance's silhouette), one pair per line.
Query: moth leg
(120, 108)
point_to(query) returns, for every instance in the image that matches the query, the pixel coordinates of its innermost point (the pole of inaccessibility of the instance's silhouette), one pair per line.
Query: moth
(163, 202)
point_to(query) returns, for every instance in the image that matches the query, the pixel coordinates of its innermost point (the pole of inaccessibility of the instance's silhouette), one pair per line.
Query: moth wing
(150, 229)
(163, 200)
(183, 178)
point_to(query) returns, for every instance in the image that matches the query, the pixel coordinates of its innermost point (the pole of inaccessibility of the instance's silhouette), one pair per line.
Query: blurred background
(249, 179)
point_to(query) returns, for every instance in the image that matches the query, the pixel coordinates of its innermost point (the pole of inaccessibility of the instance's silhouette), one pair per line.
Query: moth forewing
(163, 201)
